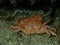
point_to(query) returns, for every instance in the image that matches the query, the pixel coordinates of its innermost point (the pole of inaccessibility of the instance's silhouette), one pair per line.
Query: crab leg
(53, 29)
(53, 33)
(16, 28)
(46, 22)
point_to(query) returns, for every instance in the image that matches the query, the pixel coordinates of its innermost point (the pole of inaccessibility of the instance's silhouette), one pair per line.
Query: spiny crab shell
(34, 25)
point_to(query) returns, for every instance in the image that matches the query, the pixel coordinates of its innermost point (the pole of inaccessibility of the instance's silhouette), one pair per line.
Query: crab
(33, 25)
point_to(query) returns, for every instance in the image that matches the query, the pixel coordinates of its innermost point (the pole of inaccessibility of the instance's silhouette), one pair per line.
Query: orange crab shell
(30, 24)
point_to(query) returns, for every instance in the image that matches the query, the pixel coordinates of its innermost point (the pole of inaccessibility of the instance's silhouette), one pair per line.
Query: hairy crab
(34, 25)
